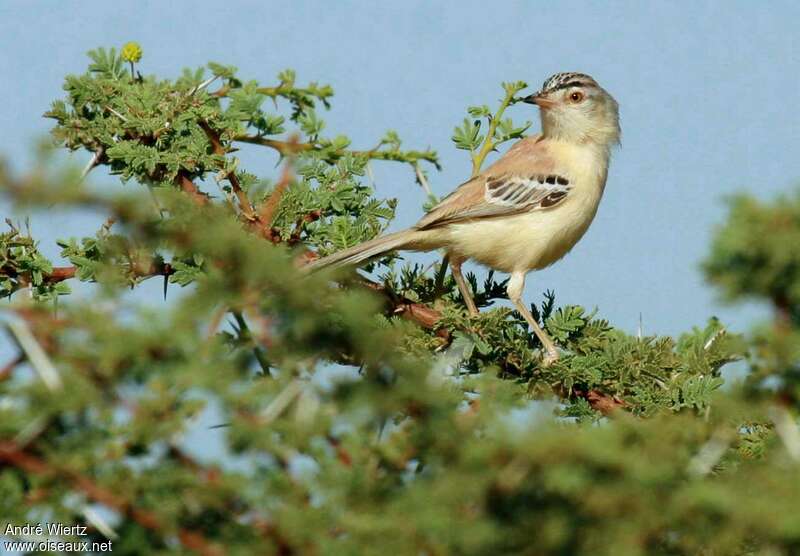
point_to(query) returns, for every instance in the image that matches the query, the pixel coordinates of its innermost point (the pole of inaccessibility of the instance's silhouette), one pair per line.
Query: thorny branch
(61, 273)
(244, 202)
(8, 368)
(188, 186)
(270, 206)
(287, 148)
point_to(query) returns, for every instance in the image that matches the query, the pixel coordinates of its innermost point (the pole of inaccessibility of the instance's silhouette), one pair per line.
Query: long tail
(366, 250)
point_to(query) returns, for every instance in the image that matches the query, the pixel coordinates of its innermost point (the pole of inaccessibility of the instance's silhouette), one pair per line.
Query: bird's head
(575, 108)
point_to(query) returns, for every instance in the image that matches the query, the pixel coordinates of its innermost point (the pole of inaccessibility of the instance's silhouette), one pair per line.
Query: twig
(8, 368)
(600, 401)
(287, 148)
(489, 144)
(341, 454)
(282, 89)
(188, 186)
(216, 145)
(312, 216)
(270, 206)
(61, 273)
(283, 147)
(422, 314)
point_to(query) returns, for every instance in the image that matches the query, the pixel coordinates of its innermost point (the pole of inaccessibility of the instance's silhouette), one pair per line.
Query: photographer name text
(49, 530)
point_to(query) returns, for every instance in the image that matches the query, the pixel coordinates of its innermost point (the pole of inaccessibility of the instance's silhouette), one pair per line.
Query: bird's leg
(515, 286)
(463, 287)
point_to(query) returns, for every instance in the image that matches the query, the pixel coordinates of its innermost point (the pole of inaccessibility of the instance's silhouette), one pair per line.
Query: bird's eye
(576, 96)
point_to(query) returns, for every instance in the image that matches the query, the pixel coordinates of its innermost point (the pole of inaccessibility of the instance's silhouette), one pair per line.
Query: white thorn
(787, 430)
(281, 402)
(370, 175)
(423, 181)
(710, 453)
(713, 338)
(99, 523)
(93, 162)
(35, 354)
(308, 405)
(117, 114)
(203, 85)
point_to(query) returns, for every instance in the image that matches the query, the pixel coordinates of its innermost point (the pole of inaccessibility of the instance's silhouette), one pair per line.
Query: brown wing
(520, 181)
(466, 194)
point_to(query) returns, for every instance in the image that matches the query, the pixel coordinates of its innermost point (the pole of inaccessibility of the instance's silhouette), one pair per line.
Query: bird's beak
(539, 99)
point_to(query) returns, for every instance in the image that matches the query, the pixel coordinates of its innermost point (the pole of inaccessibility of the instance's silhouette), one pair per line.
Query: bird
(529, 208)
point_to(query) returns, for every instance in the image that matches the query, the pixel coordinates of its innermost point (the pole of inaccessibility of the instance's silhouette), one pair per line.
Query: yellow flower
(132, 52)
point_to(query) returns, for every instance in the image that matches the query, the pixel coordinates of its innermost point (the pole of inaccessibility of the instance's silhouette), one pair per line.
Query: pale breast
(536, 239)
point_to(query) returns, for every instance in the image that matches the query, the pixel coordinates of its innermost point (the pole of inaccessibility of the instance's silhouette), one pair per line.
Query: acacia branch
(424, 315)
(288, 148)
(600, 401)
(244, 202)
(489, 144)
(188, 186)
(283, 89)
(8, 368)
(270, 206)
(61, 273)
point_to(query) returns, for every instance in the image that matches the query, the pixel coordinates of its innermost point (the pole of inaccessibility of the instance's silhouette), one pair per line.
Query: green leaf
(467, 136)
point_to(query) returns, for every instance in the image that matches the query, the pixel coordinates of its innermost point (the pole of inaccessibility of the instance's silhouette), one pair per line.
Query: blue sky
(707, 93)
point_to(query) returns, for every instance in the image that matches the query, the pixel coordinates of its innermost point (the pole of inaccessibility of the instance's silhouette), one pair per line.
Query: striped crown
(566, 79)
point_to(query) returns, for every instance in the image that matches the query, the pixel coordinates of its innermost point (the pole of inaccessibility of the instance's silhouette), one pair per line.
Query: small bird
(528, 209)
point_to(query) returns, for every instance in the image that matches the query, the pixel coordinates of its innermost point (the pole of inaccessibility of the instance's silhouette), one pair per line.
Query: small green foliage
(566, 321)
(187, 270)
(330, 209)
(468, 136)
(348, 415)
(757, 253)
(23, 266)
(106, 63)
